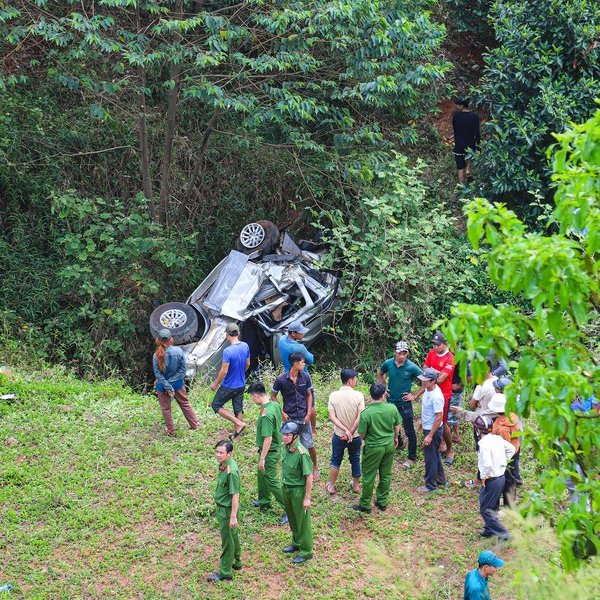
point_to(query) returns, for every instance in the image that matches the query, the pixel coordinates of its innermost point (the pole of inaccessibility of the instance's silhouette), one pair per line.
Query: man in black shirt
(466, 137)
(297, 391)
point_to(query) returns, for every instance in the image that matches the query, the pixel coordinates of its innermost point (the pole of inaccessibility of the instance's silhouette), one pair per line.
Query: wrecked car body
(263, 286)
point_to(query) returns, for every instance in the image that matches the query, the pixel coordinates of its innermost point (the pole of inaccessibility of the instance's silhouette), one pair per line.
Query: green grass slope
(95, 501)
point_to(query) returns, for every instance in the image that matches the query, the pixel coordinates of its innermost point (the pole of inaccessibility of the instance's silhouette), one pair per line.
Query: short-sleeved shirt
(347, 404)
(399, 379)
(236, 356)
(483, 394)
(433, 402)
(476, 586)
(228, 482)
(377, 423)
(268, 424)
(295, 465)
(442, 364)
(293, 394)
(287, 345)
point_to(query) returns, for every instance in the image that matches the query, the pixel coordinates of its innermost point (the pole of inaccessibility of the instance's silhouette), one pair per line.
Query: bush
(544, 74)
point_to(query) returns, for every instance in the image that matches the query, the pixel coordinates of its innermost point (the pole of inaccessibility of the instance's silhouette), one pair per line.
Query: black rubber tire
(271, 239)
(186, 328)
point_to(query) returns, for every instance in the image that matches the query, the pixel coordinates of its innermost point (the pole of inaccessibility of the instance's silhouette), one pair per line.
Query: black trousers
(434, 469)
(489, 496)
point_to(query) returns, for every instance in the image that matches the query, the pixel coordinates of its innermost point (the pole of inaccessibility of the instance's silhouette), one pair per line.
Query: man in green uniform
(268, 441)
(227, 497)
(400, 373)
(379, 427)
(297, 479)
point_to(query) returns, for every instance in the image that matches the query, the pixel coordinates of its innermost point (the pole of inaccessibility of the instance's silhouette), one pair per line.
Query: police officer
(297, 479)
(227, 497)
(268, 441)
(379, 427)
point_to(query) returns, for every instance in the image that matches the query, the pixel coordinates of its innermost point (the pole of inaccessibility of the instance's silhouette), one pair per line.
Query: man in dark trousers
(467, 137)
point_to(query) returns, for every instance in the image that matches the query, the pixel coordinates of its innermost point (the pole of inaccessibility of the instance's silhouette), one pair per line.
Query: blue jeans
(408, 424)
(337, 453)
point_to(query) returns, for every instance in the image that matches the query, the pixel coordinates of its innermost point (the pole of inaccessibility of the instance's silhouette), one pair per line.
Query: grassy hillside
(96, 501)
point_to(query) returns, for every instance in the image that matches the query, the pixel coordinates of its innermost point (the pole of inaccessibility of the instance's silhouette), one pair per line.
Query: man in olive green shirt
(379, 427)
(297, 479)
(268, 442)
(227, 498)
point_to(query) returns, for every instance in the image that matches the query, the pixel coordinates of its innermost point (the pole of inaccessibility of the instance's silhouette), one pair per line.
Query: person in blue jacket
(169, 367)
(292, 342)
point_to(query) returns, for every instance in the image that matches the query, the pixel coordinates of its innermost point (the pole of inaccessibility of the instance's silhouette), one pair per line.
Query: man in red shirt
(442, 360)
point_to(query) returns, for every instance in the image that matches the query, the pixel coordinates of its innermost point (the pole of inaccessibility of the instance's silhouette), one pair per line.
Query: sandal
(236, 434)
(329, 488)
(470, 483)
(449, 460)
(408, 464)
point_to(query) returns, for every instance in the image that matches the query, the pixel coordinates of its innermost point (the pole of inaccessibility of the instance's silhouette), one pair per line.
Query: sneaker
(425, 490)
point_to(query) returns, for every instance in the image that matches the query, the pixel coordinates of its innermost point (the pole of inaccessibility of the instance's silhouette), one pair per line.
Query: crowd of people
(369, 433)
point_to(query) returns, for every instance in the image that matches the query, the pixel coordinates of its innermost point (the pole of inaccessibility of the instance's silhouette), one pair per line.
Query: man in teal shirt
(400, 373)
(476, 581)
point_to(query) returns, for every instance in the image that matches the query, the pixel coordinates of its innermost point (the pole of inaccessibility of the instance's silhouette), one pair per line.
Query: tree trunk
(143, 137)
(170, 125)
(198, 165)
(142, 123)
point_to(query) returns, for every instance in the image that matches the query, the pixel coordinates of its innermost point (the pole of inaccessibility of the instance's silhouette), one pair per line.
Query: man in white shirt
(432, 412)
(492, 457)
(345, 406)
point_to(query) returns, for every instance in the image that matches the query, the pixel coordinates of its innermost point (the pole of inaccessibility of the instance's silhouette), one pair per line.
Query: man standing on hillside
(227, 498)
(442, 360)
(268, 441)
(292, 342)
(296, 389)
(432, 411)
(400, 373)
(231, 379)
(345, 406)
(467, 137)
(297, 480)
(379, 427)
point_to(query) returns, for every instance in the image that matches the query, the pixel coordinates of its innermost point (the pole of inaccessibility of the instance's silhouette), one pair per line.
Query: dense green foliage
(557, 343)
(404, 258)
(544, 74)
(217, 113)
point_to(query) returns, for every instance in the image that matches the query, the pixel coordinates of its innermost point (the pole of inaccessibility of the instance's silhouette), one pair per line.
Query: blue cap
(487, 557)
(297, 327)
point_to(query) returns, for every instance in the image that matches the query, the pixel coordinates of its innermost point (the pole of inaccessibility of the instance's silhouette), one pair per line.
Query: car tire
(179, 318)
(259, 236)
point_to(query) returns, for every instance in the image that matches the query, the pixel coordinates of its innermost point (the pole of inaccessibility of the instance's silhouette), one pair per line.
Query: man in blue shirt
(476, 581)
(293, 343)
(231, 379)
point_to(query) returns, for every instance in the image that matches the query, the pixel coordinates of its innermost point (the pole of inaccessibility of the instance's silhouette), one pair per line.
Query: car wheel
(179, 318)
(260, 237)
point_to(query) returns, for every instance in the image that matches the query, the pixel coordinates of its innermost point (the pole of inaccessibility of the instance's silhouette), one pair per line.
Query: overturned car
(267, 282)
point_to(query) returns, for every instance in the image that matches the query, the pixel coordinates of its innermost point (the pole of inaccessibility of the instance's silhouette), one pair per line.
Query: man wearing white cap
(398, 373)
(476, 581)
(492, 458)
